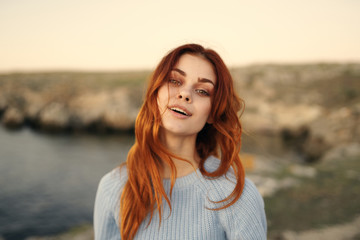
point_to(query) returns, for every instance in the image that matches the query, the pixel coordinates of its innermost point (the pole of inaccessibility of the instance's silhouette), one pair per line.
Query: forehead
(196, 67)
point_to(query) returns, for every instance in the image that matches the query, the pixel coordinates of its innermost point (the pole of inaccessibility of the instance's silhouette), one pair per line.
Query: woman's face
(185, 100)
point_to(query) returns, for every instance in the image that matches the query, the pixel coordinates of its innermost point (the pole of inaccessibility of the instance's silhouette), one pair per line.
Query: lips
(181, 110)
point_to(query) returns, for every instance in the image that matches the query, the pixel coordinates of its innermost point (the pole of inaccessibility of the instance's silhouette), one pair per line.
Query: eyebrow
(204, 80)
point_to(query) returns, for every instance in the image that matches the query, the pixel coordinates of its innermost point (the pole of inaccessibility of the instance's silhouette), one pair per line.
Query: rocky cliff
(312, 106)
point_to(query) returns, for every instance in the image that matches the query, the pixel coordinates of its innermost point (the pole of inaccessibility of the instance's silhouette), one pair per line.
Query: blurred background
(72, 78)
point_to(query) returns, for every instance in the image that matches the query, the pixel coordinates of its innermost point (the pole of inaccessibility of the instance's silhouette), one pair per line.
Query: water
(48, 182)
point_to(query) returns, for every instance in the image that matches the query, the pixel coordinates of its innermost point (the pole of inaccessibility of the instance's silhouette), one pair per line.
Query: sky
(135, 34)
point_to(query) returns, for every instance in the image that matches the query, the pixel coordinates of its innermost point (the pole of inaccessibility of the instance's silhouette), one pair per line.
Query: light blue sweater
(189, 218)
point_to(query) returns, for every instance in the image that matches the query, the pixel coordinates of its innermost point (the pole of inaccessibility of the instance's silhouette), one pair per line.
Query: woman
(183, 178)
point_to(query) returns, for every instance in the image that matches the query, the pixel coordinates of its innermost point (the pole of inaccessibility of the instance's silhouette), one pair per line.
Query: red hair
(144, 191)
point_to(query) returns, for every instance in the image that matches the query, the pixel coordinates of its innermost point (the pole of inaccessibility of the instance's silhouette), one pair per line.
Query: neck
(184, 147)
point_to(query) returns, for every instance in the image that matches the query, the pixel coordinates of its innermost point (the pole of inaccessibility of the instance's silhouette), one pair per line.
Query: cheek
(162, 98)
(206, 108)
(207, 105)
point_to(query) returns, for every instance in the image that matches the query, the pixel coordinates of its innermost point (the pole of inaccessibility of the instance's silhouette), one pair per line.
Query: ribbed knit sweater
(189, 218)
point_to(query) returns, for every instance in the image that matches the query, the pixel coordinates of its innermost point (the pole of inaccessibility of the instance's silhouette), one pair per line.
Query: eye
(202, 92)
(174, 82)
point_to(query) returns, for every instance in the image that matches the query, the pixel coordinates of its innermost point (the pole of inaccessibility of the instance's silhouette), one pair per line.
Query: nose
(185, 95)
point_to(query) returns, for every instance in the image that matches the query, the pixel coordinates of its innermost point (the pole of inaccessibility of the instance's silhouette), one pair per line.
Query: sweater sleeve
(246, 218)
(105, 218)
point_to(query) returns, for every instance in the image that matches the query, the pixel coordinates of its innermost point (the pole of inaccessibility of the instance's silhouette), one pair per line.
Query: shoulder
(251, 194)
(220, 186)
(111, 184)
(115, 177)
(224, 185)
(106, 208)
(246, 217)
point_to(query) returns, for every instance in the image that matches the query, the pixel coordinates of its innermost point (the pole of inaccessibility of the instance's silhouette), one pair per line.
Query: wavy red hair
(144, 192)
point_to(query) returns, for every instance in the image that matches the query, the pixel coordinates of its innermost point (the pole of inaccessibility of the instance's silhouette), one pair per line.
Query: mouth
(180, 111)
